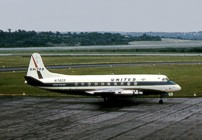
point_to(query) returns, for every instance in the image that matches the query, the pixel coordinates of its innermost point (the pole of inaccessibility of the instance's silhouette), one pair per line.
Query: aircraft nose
(178, 87)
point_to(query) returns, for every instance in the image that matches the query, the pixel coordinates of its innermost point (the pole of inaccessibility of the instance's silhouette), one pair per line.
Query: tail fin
(37, 69)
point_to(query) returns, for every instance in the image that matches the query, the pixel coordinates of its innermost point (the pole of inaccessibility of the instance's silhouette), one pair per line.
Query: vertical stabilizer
(37, 69)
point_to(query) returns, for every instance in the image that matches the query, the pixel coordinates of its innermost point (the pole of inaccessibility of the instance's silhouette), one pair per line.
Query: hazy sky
(101, 15)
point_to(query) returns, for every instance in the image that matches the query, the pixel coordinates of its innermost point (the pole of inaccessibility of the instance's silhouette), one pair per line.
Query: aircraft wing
(114, 91)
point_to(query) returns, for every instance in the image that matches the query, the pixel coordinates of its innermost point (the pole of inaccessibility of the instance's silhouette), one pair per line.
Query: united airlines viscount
(105, 86)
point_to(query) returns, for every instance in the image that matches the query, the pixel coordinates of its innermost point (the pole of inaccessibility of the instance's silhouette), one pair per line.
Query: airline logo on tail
(37, 69)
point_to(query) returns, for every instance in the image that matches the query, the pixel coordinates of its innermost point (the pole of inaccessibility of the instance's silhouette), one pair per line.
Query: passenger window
(135, 83)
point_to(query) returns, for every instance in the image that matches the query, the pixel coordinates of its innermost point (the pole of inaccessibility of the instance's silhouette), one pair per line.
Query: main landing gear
(160, 101)
(105, 98)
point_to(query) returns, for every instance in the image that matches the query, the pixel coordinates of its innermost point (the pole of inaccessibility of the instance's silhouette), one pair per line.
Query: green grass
(17, 61)
(189, 77)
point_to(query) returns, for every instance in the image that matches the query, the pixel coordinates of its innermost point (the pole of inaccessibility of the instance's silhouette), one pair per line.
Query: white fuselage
(127, 82)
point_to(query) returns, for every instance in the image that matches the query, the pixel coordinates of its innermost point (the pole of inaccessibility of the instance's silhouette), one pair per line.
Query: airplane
(105, 86)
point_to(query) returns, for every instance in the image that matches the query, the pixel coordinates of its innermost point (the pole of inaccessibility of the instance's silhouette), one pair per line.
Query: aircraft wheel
(161, 101)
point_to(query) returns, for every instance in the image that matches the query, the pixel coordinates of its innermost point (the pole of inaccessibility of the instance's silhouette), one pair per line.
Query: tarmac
(91, 118)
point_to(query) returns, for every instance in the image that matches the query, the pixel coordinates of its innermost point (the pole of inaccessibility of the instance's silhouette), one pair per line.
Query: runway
(91, 118)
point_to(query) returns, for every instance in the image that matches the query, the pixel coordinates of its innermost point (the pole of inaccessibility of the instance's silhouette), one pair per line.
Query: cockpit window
(165, 79)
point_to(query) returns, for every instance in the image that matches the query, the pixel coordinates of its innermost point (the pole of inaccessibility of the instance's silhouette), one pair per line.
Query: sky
(102, 15)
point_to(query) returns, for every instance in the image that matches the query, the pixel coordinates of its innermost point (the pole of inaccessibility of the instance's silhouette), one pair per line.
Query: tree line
(22, 38)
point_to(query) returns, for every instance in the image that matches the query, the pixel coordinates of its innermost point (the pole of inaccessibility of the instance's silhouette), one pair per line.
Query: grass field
(189, 77)
(17, 61)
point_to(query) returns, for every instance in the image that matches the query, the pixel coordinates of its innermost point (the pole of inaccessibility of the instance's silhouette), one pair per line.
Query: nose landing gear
(161, 98)
(161, 101)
